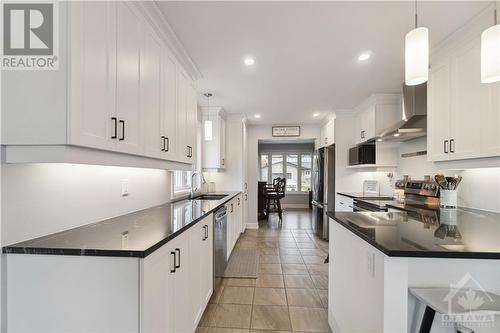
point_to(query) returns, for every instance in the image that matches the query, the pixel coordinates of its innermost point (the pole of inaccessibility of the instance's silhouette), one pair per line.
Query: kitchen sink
(210, 197)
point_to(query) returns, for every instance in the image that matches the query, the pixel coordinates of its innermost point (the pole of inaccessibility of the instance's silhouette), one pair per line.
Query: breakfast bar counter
(375, 257)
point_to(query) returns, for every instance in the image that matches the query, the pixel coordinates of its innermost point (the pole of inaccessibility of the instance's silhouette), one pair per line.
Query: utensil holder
(448, 199)
(448, 216)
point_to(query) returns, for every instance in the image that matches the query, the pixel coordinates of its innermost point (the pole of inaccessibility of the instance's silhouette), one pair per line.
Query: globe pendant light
(490, 53)
(416, 54)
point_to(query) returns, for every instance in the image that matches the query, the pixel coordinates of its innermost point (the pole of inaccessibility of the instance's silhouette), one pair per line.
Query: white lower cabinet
(165, 292)
(343, 203)
(177, 281)
(201, 268)
(234, 222)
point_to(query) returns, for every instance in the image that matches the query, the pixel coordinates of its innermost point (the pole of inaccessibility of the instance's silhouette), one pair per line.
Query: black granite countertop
(361, 195)
(410, 207)
(460, 233)
(132, 235)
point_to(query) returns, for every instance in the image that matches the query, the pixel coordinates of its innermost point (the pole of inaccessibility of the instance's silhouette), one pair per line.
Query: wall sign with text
(281, 131)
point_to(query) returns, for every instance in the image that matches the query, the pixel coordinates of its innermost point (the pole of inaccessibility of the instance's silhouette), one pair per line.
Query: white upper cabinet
(327, 133)
(463, 113)
(214, 138)
(128, 50)
(376, 114)
(118, 89)
(151, 95)
(438, 110)
(187, 110)
(93, 74)
(169, 106)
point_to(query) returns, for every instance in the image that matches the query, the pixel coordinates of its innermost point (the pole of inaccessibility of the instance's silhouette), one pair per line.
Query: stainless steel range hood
(414, 123)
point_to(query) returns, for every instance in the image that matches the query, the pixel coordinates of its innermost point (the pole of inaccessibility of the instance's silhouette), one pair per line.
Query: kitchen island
(147, 271)
(376, 256)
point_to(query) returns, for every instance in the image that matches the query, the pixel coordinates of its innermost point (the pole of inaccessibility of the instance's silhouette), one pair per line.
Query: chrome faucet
(193, 188)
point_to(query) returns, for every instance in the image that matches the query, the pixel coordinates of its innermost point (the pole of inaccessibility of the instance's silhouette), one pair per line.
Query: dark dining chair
(274, 196)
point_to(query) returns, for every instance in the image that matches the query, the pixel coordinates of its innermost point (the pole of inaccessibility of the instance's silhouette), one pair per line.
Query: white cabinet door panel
(182, 117)
(490, 123)
(468, 101)
(129, 39)
(169, 114)
(158, 299)
(150, 83)
(93, 74)
(438, 111)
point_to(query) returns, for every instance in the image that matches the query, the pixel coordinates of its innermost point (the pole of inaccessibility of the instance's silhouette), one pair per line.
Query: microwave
(362, 154)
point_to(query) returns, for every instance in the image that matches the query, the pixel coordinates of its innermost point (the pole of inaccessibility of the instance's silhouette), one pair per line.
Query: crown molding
(153, 13)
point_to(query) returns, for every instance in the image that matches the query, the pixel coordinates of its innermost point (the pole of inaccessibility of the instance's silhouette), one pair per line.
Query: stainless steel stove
(421, 200)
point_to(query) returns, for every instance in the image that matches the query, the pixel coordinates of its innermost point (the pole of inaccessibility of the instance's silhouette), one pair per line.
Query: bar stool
(440, 300)
(275, 197)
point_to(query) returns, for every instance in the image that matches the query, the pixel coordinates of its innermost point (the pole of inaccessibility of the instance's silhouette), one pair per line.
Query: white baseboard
(295, 206)
(252, 226)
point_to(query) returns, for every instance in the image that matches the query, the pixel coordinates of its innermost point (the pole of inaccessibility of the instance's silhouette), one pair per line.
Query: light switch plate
(124, 183)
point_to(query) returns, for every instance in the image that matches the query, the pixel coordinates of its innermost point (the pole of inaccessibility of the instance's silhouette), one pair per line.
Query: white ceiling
(305, 52)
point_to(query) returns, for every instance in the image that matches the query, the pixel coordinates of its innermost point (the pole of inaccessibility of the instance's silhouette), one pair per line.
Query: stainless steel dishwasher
(220, 245)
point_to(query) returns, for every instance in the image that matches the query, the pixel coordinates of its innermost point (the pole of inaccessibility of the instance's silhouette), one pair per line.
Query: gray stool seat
(458, 301)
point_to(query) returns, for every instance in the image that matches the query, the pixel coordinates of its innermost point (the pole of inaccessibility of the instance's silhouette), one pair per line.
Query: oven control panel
(423, 188)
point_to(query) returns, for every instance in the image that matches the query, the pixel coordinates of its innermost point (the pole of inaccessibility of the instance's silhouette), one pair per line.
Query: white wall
(264, 132)
(40, 199)
(480, 187)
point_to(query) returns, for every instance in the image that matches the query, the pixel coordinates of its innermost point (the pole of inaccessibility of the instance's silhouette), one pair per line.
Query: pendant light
(490, 52)
(416, 54)
(207, 124)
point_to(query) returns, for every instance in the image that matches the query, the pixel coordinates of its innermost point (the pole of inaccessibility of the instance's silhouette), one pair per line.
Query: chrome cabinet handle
(445, 147)
(162, 143)
(452, 145)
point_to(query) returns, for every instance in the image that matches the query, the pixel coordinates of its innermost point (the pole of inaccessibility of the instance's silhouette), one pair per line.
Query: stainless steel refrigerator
(323, 188)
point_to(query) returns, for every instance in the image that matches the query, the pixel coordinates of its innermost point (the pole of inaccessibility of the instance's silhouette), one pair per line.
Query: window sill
(180, 194)
(296, 193)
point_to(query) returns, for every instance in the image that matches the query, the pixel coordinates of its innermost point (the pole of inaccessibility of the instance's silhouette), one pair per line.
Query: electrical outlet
(124, 240)
(124, 187)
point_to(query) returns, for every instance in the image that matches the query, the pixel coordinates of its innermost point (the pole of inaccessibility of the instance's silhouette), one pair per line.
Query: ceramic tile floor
(290, 293)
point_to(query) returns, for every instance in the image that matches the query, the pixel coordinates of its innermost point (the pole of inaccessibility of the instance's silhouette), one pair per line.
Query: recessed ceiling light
(364, 56)
(249, 61)
(257, 116)
(379, 140)
(315, 115)
(396, 134)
